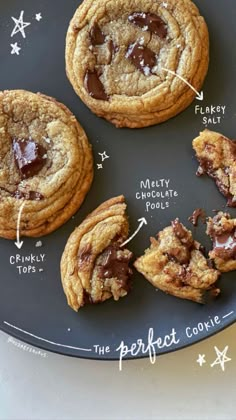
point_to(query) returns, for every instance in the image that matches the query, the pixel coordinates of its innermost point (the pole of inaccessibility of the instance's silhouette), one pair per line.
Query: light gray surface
(176, 387)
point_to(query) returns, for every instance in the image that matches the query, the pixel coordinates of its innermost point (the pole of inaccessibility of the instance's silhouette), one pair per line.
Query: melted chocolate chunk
(181, 233)
(114, 266)
(142, 57)
(231, 201)
(149, 22)
(30, 157)
(86, 298)
(211, 263)
(202, 249)
(206, 166)
(84, 255)
(30, 195)
(172, 258)
(225, 245)
(178, 229)
(224, 189)
(94, 86)
(195, 216)
(96, 35)
(183, 272)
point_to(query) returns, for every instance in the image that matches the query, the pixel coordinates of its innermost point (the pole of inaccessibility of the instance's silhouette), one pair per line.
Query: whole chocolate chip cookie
(121, 57)
(94, 265)
(45, 162)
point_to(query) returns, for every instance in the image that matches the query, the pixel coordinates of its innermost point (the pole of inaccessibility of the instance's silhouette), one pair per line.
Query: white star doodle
(221, 358)
(164, 4)
(38, 16)
(99, 165)
(201, 359)
(104, 156)
(20, 25)
(15, 49)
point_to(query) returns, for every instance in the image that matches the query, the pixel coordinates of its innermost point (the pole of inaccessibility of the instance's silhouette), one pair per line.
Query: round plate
(32, 303)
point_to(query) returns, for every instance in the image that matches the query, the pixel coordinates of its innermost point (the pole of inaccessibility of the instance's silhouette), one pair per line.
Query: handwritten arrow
(19, 243)
(199, 96)
(142, 221)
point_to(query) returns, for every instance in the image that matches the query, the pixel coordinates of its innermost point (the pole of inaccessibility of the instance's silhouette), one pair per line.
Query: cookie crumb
(38, 244)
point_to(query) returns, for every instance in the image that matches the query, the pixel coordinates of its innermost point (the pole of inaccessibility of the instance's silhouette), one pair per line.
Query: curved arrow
(19, 243)
(199, 96)
(142, 221)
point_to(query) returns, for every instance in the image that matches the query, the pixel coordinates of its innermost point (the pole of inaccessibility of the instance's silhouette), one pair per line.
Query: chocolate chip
(149, 22)
(96, 35)
(30, 157)
(142, 57)
(114, 266)
(94, 86)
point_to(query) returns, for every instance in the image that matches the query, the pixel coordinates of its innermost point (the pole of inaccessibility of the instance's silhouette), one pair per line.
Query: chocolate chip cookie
(176, 264)
(122, 58)
(217, 157)
(46, 162)
(94, 265)
(222, 230)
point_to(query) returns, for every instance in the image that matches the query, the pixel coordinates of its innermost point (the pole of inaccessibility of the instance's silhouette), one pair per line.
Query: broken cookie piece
(94, 265)
(175, 264)
(217, 157)
(222, 230)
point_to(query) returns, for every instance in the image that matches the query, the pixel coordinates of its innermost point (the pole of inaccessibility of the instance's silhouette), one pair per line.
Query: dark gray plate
(32, 306)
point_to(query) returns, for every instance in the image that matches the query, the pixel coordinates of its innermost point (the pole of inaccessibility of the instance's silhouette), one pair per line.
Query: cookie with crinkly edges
(217, 158)
(95, 264)
(46, 164)
(118, 53)
(175, 263)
